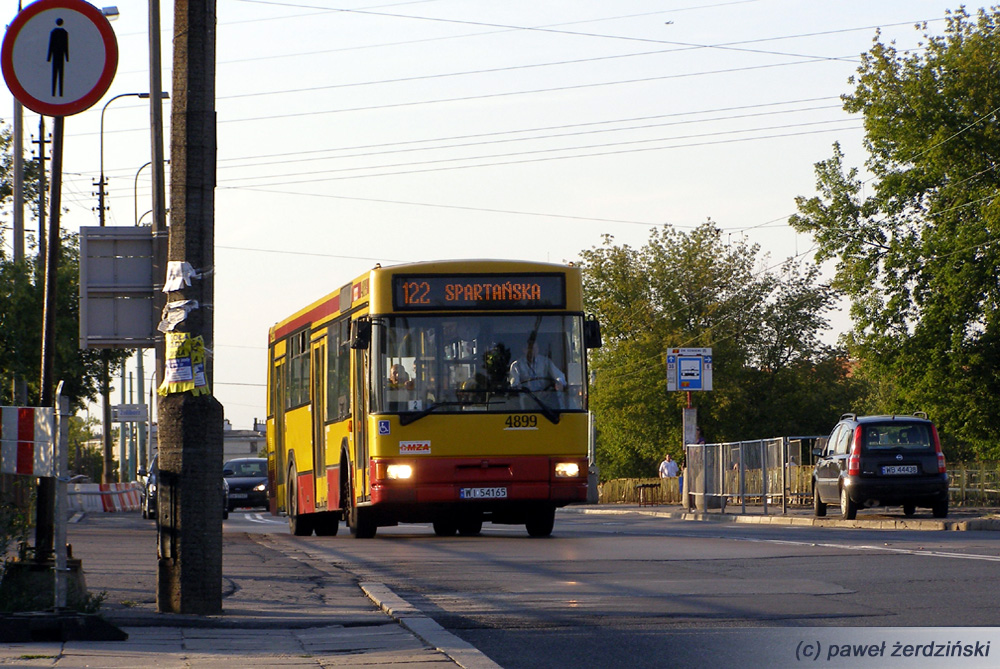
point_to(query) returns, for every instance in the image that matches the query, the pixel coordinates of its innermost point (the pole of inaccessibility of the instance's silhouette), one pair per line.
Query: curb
(462, 653)
(969, 525)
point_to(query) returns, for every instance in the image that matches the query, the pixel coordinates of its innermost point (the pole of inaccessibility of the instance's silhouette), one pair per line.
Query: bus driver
(535, 372)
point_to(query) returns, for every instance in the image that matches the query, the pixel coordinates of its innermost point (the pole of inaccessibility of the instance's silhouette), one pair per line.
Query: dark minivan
(881, 461)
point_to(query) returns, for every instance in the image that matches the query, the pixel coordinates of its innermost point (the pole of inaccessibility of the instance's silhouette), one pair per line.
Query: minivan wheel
(819, 507)
(848, 509)
(940, 508)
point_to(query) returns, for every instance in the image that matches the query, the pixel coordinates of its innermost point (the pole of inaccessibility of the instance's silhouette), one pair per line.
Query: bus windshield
(498, 363)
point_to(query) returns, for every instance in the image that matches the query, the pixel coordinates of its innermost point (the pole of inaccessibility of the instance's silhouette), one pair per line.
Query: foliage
(14, 521)
(85, 456)
(7, 172)
(772, 375)
(916, 247)
(22, 294)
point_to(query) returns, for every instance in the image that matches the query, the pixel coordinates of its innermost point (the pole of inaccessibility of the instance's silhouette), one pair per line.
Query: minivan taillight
(937, 447)
(854, 459)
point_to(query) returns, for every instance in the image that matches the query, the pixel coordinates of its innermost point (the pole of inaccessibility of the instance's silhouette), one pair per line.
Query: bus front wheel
(541, 521)
(445, 526)
(360, 521)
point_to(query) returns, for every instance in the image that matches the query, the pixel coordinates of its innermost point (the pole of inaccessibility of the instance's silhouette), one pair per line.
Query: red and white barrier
(27, 441)
(104, 497)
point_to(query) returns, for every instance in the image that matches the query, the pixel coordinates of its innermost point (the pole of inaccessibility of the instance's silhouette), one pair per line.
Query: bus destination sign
(478, 291)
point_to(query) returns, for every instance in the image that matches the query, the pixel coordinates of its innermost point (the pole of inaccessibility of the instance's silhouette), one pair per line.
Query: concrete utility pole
(19, 389)
(41, 142)
(189, 508)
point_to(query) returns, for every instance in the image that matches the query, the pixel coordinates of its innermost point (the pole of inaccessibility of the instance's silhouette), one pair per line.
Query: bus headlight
(399, 471)
(567, 470)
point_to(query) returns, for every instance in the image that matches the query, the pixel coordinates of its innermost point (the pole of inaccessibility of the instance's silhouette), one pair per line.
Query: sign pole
(45, 509)
(36, 64)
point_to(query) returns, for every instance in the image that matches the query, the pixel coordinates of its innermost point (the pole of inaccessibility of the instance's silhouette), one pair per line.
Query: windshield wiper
(410, 417)
(547, 411)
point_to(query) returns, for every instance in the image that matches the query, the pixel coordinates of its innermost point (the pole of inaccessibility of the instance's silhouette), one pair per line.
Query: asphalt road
(633, 590)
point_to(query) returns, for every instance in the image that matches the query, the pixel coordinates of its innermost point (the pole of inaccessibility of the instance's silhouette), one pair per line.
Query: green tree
(22, 294)
(85, 456)
(7, 173)
(772, 376)
(916, 245)
(21, 297)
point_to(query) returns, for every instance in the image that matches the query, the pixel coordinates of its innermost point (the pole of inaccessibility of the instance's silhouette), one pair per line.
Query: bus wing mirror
(592, 333)
(361, 334)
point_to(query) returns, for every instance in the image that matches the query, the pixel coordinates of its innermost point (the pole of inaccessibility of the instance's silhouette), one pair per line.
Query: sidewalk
(277, 611)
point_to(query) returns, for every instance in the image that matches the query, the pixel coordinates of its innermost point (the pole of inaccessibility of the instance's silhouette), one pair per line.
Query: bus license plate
(899, 469)
(482, 493)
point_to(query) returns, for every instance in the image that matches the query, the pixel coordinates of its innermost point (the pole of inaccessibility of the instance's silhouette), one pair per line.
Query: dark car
(881, 461)
(247, 478)
(148, 492)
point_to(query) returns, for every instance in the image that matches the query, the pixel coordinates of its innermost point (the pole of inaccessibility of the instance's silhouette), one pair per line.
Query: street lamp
(105, 375)
(100, 184)
(135, 193)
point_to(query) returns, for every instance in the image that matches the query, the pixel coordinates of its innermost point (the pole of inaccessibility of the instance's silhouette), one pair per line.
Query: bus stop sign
(59, 56)
(689, 369)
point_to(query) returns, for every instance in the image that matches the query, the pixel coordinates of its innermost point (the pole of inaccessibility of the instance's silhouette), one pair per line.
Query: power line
(504, 94)
(409, 145)
(534, 159)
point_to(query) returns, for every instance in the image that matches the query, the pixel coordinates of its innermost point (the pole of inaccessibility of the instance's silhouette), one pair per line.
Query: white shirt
(669, 469)
(536, 375)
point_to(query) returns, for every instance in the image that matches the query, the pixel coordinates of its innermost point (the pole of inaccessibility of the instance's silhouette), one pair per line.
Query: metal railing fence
(760, 472)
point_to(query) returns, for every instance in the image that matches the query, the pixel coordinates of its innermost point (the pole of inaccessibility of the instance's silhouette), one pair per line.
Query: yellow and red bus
(450, 392)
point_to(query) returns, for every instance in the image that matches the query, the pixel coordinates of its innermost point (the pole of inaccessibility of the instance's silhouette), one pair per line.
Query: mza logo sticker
(414, 448)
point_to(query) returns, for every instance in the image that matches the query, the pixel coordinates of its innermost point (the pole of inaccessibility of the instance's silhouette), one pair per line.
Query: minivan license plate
(899, 469)
(482, 493)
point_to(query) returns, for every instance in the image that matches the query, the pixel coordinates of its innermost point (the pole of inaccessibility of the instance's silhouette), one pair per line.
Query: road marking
(885, 549)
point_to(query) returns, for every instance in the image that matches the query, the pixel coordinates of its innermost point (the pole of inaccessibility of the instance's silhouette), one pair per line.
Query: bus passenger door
(360, 407)
(277, 464)
(318, 415)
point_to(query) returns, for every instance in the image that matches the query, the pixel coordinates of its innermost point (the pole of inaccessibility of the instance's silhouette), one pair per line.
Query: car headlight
(260, 487)
(399, 471)
(567, 470)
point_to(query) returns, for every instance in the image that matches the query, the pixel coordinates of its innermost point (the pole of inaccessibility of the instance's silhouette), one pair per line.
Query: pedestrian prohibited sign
(59, 56)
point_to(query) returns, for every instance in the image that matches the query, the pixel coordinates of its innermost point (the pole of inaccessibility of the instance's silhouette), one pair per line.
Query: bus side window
(298, 370)
(338, 378)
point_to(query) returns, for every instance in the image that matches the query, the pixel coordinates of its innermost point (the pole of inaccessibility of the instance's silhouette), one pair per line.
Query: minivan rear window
(898, 436)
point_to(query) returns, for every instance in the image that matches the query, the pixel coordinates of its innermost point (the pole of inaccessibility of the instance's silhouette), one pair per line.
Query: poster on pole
(689, 369)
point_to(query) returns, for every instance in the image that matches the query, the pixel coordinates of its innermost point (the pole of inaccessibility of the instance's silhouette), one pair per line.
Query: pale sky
(409, 131)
